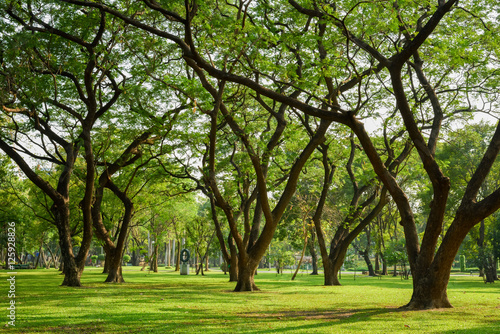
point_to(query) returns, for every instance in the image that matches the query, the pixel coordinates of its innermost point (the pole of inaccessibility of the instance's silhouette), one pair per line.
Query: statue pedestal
(184, 269)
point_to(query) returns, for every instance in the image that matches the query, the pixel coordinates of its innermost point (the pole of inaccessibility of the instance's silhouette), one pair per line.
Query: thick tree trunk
(489, 269)
(331, 270)
(246, 273)
(431, 280)
(72, 272)
(114, 266)
(233, 268)
(430, 291)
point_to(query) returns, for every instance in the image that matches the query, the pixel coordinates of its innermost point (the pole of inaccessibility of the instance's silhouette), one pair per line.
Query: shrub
(462, 263)
(126, 258)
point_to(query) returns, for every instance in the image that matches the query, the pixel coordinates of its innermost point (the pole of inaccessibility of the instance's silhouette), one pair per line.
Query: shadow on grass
(170, 303)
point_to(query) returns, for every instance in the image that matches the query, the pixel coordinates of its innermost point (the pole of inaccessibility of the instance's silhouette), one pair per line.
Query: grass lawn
(166, 302)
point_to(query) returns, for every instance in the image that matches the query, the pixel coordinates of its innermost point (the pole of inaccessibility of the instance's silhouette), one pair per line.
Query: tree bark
(71, 269)
(246, 273)
(107, 259)
(368, 262)
(114, 264)
(314, 254)
(233, 264)
(178, 256)
(153, 265)
(384, 264)
(366, 253)
(489, 269)
(135, 258)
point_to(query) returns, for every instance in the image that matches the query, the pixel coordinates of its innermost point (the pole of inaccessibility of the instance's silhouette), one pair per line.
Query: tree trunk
(154, 260)
(384, 264)
(431, 280)
(54, 259)
(168, 255)
(233, 269)
(200, 269)
(495, 268)
(107, 259)
(314, 254)
(489, 269)
(233, 260)
(178, 257)
(38, 257)
(72, 272)
(368, 262)
(430, 291)
(114, 266)
(301, 257)
(331, 269)
(246, 274)
(135, 258)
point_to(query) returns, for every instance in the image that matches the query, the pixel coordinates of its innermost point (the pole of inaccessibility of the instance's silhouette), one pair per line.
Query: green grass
(169, 303)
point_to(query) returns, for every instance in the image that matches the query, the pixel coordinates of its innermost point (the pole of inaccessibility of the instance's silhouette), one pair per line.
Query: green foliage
(395, 253)
(281, 255)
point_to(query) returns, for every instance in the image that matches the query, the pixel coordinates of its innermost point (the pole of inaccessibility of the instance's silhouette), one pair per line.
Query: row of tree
(157, 236)
(261, 107)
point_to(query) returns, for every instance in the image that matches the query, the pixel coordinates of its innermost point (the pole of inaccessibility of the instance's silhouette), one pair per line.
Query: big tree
(59, 73)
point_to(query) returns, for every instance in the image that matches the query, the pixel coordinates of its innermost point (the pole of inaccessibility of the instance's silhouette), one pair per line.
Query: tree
(60, 84)
(114, 251)
(201, 232)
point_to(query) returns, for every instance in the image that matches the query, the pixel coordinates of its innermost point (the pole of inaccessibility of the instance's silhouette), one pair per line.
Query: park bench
(21, 266)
